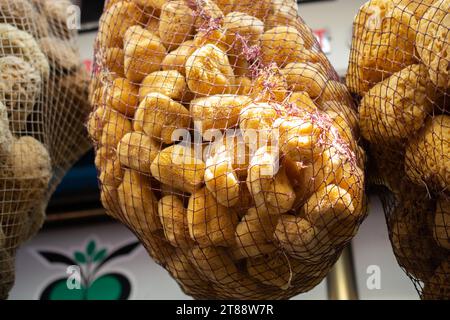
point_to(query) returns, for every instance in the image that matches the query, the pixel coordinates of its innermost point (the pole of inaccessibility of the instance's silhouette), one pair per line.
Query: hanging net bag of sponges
(226, 142)
(43, 109)
(399, 69)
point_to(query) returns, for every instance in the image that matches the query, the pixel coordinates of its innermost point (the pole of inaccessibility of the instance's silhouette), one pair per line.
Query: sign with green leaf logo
(89, 263)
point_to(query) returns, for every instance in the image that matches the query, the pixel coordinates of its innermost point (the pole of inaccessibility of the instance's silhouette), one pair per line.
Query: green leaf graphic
(90, 249)
(100, 255)
(80, 257)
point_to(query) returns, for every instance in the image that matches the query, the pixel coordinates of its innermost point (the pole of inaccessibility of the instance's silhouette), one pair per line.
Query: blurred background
(76, 219)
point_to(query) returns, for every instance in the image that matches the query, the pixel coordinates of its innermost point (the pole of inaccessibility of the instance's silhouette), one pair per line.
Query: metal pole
(341, 281)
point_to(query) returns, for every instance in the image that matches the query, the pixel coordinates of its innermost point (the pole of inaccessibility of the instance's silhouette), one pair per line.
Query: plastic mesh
(399, 67)
(43, 107)
(226, 142)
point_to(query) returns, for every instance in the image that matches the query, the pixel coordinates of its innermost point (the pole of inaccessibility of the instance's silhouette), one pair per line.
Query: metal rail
(341, 281)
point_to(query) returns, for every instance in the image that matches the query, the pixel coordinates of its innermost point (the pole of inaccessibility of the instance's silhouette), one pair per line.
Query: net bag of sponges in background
(399, 67)
(226, 142)
(43, 107)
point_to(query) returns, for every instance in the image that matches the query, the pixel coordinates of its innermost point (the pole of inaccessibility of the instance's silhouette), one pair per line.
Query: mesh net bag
(43, 108)
(399, 68)
(226, 142)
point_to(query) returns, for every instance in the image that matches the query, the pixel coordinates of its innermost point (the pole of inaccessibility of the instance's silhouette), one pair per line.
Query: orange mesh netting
(43, 107)
(399, 67)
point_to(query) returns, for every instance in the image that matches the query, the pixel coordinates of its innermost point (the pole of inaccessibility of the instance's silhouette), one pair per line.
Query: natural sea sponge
(110, 201)
(307, 77)
(159, 117)
(189, 278)
(179, 167)
(214, 264)
(272, 270)
(208, 15)
(103, 155)
(176, 59)
(174, 221)
(301, 240)
(23, 15)
(433, 42)
(344, 129)
(151, 5)
(270, 86)
(208, 71)
(143, 53)
(397, 107)
(137, 151)
(170, 83)
(6, 137)
(176, 23)
(427, 158)
(254, 233)
(116, 21)
(310, 178)
(21, 44)
(418, 7)
(225, 5)
(242, 27)
(411, 238)
(210, 223)
(281, 45)
(111, 173)
(385, 34)
(95, 123)
(152, 23)
(20, 87)
(285, 13)
(257, 8)
(221, 179)
(344, 110)
(441, 229)
(242, 86)
(123, 96)
(113, 60)
(303, 101)
(113, 127)
(437, 287)
(334, 91)
(6, 271)
(24, 178)
(332, 209)
(232, 144)
(218, 112)
(268, 182)
(61, 55)
(303, 139)
(256, 122)
(55, 12)
(138, 203)
(30, 161)
(216, 37)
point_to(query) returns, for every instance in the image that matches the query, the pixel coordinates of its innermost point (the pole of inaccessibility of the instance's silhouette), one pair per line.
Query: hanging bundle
(43, 107)
(399, 67)
(226, 142)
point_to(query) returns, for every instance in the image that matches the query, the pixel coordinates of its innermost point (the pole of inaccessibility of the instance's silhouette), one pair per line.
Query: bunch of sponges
(226, 142)
(399, 66)
(43, 105)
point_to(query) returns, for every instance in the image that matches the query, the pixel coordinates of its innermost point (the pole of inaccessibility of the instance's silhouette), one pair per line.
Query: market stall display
(226, 142)
(399, 69)
(43, 107)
